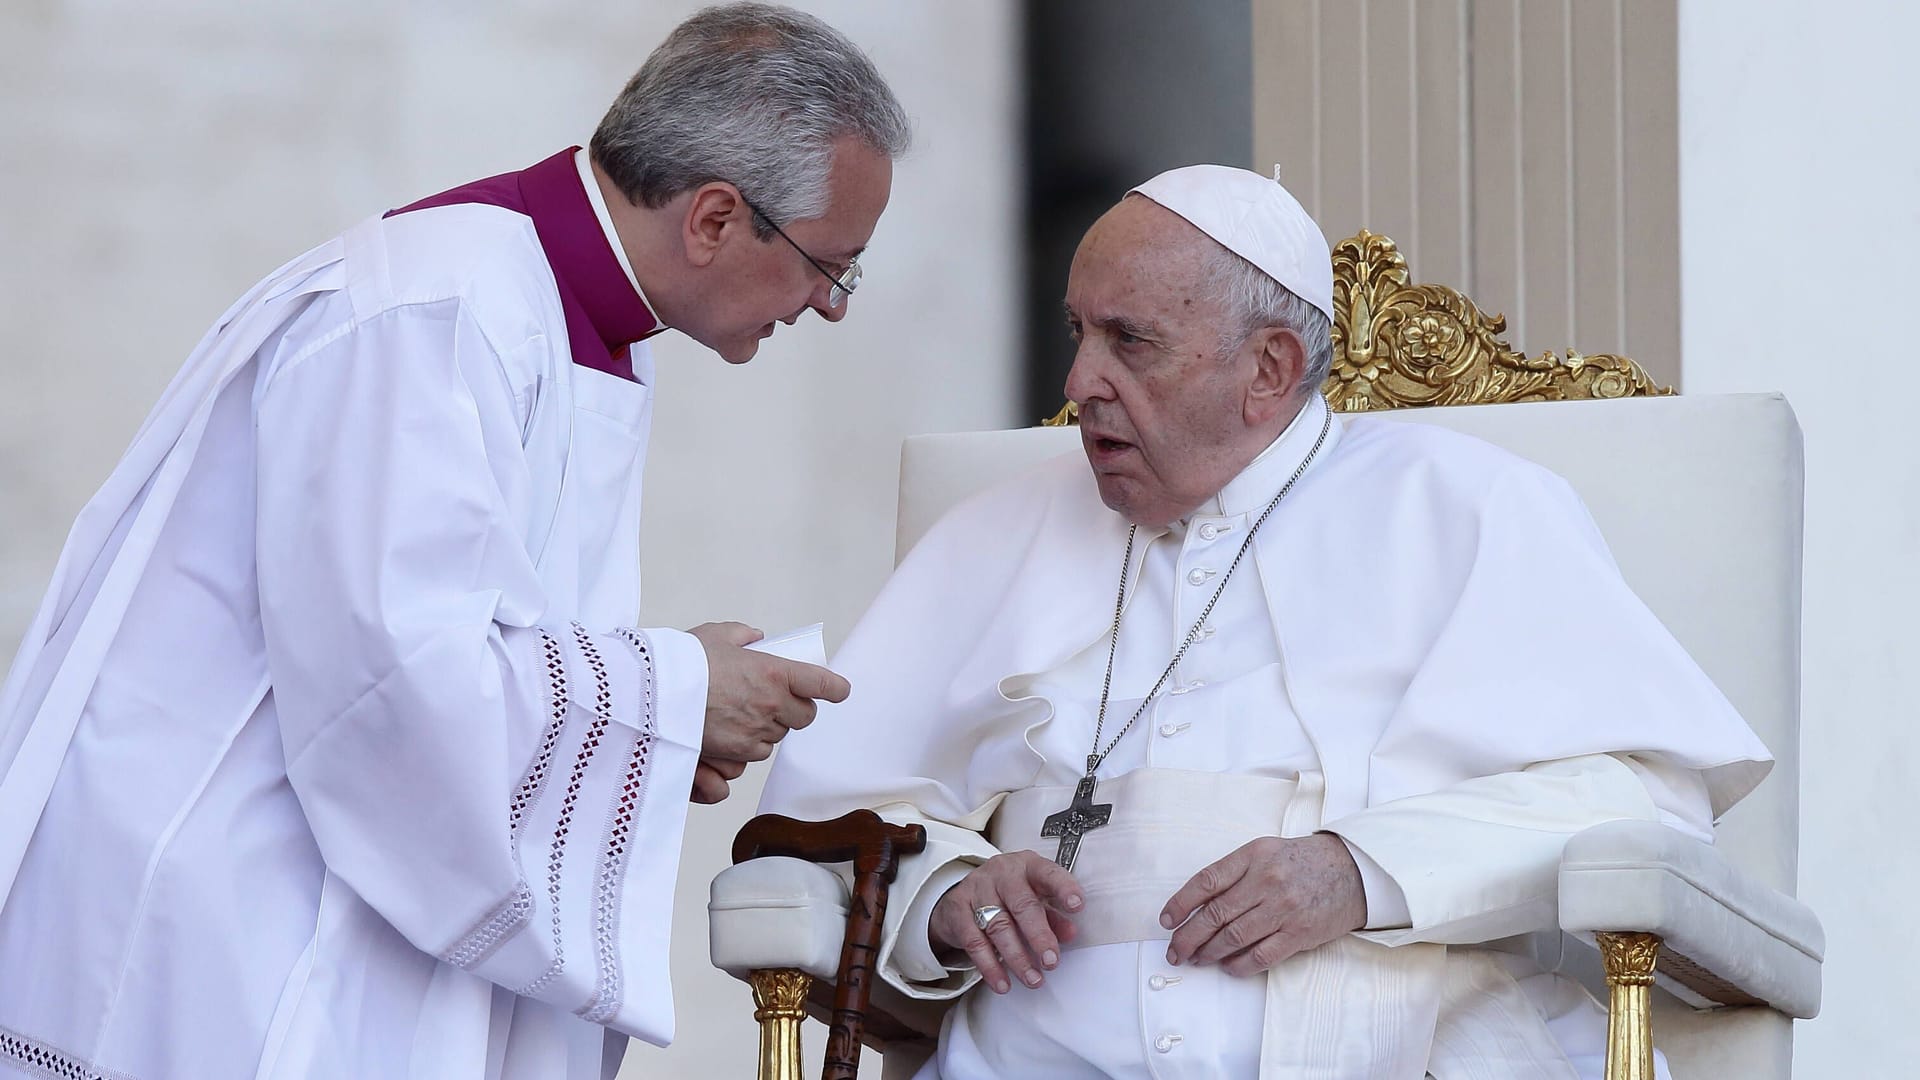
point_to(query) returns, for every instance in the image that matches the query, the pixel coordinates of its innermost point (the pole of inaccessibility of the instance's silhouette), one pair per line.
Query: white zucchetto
(1256, 219)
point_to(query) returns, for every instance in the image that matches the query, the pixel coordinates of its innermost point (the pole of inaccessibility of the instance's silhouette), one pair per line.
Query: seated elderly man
(1242, 751)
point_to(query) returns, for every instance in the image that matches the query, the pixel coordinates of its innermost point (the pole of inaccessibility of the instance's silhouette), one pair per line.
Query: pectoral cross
(1081, 817)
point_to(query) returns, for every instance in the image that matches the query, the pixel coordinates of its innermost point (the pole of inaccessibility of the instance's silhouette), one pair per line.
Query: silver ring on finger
(984, 915)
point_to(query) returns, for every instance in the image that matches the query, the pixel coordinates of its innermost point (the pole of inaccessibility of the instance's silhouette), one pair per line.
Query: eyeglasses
(844, 282)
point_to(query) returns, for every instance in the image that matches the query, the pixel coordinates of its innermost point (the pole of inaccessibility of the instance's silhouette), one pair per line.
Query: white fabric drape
(333, 749)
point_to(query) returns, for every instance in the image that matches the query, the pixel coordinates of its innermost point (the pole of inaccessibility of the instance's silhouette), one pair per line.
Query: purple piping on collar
(604, 313)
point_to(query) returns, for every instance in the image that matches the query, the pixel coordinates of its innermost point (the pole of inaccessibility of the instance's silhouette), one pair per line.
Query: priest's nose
(818, 302)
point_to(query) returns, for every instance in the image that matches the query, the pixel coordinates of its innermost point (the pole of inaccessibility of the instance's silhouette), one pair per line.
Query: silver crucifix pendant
(1081, 817)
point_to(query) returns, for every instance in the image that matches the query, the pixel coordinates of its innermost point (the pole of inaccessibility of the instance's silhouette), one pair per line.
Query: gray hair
(1254, 300)
(754, 95)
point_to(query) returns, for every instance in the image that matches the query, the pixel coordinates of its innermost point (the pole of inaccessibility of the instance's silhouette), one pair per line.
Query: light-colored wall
(1520, 150)
(159, 158)
(1799, 168)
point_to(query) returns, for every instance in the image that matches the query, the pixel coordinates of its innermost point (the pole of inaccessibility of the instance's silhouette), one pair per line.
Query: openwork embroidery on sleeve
(511, 914)
(611, 879)
(37, 1059)
(527, 792)
(557, 851)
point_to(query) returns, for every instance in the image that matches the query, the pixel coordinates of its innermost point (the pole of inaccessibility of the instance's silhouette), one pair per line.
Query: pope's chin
(1121, 493)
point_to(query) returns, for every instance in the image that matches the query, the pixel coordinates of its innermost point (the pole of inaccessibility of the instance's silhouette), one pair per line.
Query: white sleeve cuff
(1386, 901)
(913, 956)
(680, 687)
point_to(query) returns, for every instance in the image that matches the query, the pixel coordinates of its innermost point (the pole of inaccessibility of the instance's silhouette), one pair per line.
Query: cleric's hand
(753, 698)
(711, 777)
(1033, 894)
(1265, 901)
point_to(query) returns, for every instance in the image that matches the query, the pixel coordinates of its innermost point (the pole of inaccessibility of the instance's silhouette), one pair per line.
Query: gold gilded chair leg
(1629, 960)
(778, 997)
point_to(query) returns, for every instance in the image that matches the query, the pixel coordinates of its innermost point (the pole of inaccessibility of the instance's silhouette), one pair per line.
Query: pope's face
(1163, 415)
(768, 282)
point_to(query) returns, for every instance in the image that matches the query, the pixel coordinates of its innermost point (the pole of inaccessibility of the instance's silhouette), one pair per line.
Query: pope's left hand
(1267, 900)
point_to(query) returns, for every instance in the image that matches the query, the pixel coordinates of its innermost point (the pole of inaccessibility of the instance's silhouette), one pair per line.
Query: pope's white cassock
(332, 751)
(1428, 651)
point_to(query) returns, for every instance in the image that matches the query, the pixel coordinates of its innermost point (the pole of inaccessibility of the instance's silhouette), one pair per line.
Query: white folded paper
(806, 645)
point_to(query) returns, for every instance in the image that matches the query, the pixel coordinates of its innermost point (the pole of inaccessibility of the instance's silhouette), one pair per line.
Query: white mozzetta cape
(327, 755)
(1457, 645)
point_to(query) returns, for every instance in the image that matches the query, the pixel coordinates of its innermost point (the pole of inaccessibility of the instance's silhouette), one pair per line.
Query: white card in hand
(806, 645)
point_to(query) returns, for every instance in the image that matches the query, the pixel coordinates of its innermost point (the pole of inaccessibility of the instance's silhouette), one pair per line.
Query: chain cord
(1119, 605)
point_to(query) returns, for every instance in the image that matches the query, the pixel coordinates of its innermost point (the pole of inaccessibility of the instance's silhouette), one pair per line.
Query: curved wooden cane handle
(874, 847)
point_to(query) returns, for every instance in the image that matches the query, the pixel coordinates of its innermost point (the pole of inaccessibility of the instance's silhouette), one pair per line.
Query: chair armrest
(1726, 938)
(777, 913)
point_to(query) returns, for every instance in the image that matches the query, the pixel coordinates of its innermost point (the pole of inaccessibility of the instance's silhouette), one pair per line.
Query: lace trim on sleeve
(611, 878)
(45, 1062)
(512, 913)
(557, 850)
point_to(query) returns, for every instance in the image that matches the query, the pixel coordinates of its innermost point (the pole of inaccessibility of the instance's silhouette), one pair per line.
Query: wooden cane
(874, 847)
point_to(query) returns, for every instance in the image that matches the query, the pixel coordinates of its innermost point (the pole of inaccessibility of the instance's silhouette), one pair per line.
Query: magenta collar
(604, 312)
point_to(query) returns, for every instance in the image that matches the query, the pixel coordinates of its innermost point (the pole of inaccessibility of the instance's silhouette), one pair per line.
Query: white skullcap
(1256, 219)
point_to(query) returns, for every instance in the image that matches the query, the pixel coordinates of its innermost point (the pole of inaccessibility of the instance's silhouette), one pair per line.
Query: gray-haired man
(333, 750)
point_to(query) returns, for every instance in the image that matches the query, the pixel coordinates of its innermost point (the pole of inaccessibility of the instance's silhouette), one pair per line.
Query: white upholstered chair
(1699, 499)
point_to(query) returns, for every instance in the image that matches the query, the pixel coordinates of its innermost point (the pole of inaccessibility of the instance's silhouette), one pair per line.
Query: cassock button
(1158, 982)
(1166, 1043)
(1198, 576)
(1209, 530)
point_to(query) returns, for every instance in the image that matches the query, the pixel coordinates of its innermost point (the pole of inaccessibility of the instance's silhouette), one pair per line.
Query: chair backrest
(1698, 497)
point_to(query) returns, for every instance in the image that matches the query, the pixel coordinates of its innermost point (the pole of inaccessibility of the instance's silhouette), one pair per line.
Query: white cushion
(777, 912)
(1643, 876)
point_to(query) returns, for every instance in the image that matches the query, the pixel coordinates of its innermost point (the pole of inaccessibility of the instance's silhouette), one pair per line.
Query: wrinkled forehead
(1137, 227)
(1139, 251)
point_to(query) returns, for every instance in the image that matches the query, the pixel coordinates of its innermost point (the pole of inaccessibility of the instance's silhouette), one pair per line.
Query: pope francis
(1248, 745)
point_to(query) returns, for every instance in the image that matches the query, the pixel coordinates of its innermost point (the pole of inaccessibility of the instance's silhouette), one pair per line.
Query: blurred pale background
(1725, 189)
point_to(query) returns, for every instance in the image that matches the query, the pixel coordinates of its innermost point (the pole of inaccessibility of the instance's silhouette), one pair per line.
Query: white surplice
(331, 752)
(1340, 657)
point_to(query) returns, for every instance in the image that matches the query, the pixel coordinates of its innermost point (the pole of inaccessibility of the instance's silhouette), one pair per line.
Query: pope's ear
(1280, 363)
(715, 213)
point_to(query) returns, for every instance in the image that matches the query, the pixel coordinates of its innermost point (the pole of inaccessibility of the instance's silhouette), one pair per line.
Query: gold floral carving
(779, 999)
(1398, 345)
(1629, 960)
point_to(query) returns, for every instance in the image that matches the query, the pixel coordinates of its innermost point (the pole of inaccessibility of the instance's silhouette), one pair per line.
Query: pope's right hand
(753, 698)
(1034, 896)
